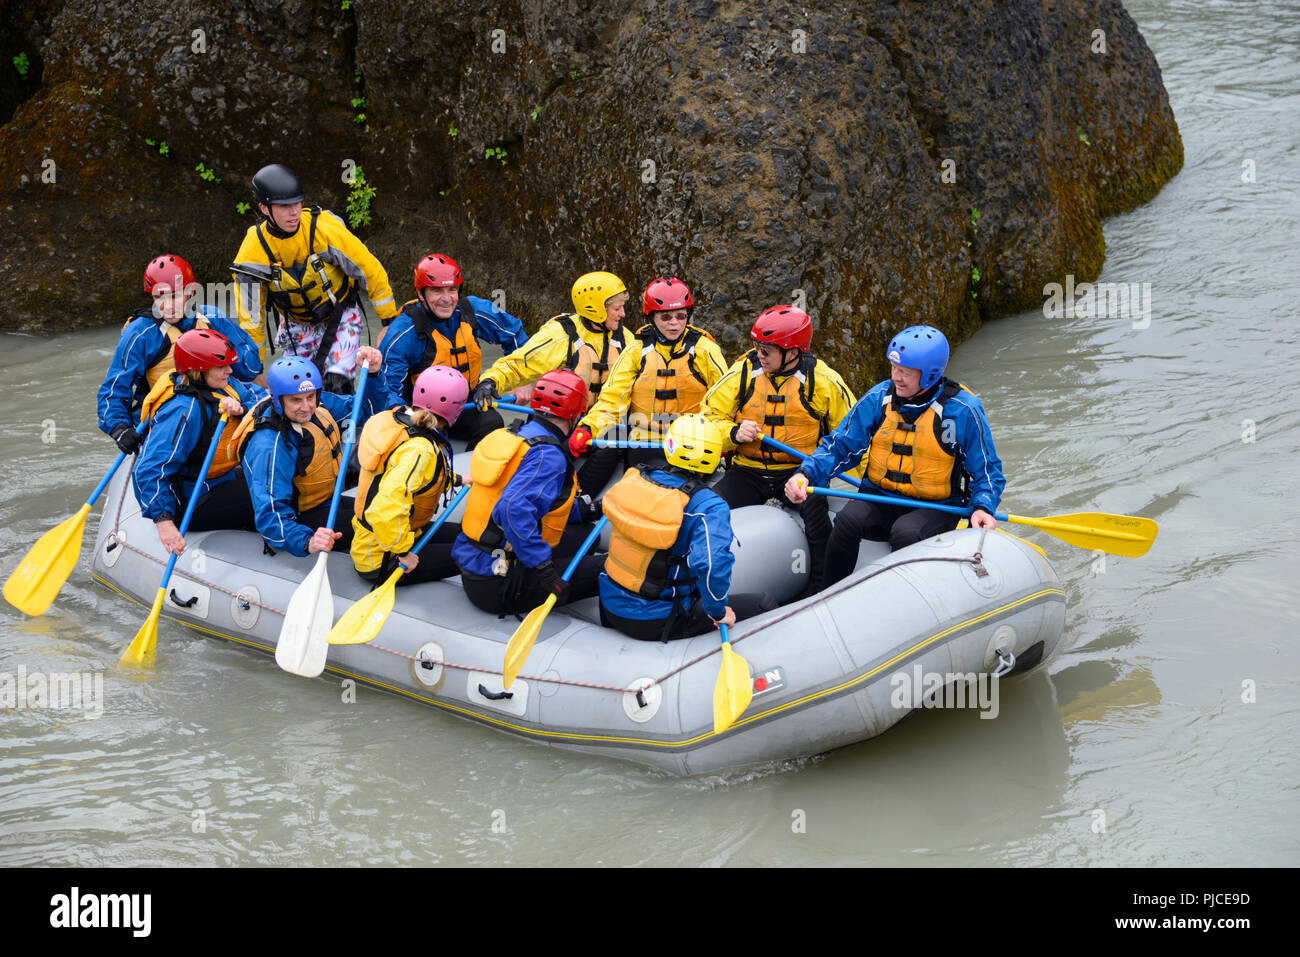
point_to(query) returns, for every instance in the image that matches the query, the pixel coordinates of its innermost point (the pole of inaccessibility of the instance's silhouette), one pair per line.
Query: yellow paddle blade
(362, 622)
(1126, 535)
(140, 653)
(521, 642)
(733, 692)
(35, 583)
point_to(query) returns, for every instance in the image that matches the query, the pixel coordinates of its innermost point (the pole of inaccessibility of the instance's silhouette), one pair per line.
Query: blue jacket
(270, 459)
(168, 462)
(527, 497)
(124, 386)
(403, 346)
(977, 459)
(705, 541)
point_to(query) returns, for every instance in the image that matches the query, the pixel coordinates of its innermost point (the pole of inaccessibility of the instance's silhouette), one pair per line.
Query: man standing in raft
(442, 327)
(405, 472)
(779, 389)
(290, 445)
(925, 437)
(665, 374)
(523, 496)
(668, 574)
(145, 350)
(310, 266)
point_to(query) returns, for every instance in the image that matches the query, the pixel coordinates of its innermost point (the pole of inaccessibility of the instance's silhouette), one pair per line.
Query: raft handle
(497, 696)
(1007, 657)
(183, 604)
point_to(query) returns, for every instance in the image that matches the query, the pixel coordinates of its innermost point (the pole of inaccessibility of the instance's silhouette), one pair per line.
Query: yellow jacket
(413, 465)
(344, 259)
(830, 401)
(548, 349)
(616, 398)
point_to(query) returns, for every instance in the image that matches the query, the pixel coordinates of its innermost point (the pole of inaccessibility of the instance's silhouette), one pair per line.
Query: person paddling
(145, 350)
(924, 437)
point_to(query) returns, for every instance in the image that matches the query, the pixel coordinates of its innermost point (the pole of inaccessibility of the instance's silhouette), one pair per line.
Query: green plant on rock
(1083, 137)
(162, 147)
(496, 152)
(575, 74)
(345, 5)
(242, 208)
(536, 112)
(207, 174)
(22, 64)
(360, 195)
(451, 130)
(93, 90)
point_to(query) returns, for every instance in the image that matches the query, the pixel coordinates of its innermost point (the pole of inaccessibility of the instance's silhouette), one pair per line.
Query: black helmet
(276, 184)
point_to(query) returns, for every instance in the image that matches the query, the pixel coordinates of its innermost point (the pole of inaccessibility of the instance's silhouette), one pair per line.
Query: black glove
(551, 581)
(485, 394)
(589, 509)
(127, 438)
(338, 383)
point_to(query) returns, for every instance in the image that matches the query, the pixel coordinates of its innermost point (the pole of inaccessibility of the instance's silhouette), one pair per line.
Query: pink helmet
(442, 390)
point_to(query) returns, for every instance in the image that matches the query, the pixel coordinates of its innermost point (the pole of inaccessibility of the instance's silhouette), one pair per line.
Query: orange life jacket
(175, 384)
(591, 366)
(910, 457)
(785, 414)
(164, 360)
(320, 450)
(462, 353)
(665, 389)
(381, 436)
(496, 459)
(646, 519)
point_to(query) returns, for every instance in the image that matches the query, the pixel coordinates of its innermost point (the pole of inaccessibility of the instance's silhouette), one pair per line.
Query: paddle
(35, 583)
(511, 407)
(140, 653)
(302, 647)
(362, 622)
(625, 444)
(521, 642)
(735, 687)
(1127, 535)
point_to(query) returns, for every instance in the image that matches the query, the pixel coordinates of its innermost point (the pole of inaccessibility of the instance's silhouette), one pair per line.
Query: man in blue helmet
(923, 436)
(290, 445)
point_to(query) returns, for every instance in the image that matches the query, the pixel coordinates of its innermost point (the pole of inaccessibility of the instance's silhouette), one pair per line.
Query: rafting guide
(934, 689)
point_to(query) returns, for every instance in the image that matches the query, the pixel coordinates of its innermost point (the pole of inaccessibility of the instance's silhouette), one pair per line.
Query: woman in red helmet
(443, 327)
(182, 411)
(510, 549)
(781, 390)
(145, 349)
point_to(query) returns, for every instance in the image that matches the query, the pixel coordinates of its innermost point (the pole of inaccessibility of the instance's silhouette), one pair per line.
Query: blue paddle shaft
(768, 440)
(348, 442)
(195, 495)
(904, 502)
(511, 407)
(586, 546)
(624, 444)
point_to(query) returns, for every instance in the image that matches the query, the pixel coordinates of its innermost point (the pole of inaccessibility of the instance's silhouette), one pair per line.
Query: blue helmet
(290, 375)
(923, 348)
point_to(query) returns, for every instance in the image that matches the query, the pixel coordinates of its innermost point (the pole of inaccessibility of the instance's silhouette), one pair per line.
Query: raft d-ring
(426, 665)
(245, 606)
(1000, 655)
(1006, 662)
(111, 551)
(642, 699)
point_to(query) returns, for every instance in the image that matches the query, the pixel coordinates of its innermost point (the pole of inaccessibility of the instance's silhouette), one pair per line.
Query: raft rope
(976, 560)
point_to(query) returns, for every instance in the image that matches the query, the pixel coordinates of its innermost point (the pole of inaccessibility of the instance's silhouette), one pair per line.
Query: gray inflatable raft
(840, 667)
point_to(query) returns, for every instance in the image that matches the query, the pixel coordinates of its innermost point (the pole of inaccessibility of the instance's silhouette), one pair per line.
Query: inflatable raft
(830, 670)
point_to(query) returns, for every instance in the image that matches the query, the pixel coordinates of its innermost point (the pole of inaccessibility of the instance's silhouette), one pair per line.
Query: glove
(485, 394)
(589, 509)
(127, 438)
(551, 581)
(579, 439)
(338, 383)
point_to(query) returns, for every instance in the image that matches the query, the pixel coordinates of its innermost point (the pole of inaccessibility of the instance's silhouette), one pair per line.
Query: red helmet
(441, 389)
(561, 393)
(665, 295)
(170, 271)
(438, 270)
(201, 349)
(784, 327)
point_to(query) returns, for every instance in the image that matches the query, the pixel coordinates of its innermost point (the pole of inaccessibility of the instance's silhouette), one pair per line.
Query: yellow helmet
(695, 443)
(592, 291)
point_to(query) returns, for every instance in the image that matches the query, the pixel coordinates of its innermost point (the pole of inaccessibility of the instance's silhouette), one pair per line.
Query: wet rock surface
(887, 163)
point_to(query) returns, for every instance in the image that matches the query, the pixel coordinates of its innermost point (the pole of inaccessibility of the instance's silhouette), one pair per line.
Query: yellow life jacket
(785, 414)
(382, 435)
(646, 519)
(164, 360)
(591, 366)
(910, 457)
(496, 459)
(306, 291)
(173, 384)
(665, 389)
(320, 450)
(462, 354)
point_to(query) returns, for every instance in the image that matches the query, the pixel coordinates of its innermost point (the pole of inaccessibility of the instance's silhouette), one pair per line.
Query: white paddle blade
(307, 622)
